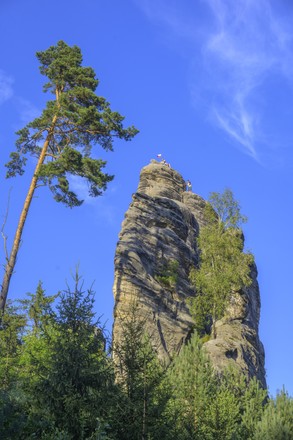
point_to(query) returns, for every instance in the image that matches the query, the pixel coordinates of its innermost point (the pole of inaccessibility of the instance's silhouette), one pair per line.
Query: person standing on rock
(163, 161)
(188, 185)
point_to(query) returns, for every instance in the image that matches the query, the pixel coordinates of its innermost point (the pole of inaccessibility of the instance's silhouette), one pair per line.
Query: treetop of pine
(69, 127)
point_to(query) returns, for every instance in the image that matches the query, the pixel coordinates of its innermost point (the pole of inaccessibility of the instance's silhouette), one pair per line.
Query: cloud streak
(27, 111)
(103, 208)
(249, 44)
(238, 46)
(6, 90)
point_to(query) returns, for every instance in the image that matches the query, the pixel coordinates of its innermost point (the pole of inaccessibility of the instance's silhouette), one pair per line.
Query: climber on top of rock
(163, 161)
(188, 185)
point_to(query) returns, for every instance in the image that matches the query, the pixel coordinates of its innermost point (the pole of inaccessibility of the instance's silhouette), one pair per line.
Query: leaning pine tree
(63, 136)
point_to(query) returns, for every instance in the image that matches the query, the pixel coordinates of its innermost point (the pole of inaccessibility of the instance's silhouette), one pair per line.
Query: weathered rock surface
(161, 226)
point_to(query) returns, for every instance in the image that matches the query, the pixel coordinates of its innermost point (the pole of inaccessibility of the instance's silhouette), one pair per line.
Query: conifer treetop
(72, 123)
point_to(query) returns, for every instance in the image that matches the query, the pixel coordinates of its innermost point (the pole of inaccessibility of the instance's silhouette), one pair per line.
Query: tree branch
(51, 155)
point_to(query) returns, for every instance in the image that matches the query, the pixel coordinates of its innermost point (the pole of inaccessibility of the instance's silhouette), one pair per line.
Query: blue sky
(209, 84)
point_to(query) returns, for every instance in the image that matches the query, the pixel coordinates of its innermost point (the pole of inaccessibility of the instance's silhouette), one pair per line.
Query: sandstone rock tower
(160, 226)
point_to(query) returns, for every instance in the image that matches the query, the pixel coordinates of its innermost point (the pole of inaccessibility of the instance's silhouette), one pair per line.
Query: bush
(168, 277)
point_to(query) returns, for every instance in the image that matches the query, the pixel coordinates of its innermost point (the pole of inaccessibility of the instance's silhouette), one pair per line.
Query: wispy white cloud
(239, 126)
(101, 205)
(80, 187)
(238, 46)
(249, 44)
(172, 16)
(27, 110)
(6, 89)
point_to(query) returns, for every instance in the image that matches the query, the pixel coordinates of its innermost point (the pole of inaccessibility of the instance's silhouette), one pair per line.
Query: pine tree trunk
(9, 268)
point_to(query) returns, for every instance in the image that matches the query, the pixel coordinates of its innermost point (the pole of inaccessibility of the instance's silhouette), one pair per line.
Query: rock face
(158, 239)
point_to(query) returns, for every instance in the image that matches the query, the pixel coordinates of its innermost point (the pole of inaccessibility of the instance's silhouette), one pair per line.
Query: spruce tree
(62, 138)
(193, 387)
(239, 405)
(277, 420)
(11, 336)
(67, 375)
(38, 308)
(139, 376)
(208, 405)
(12, 417)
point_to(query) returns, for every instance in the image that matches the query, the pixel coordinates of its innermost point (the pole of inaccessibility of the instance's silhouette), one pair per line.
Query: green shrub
(168, 276)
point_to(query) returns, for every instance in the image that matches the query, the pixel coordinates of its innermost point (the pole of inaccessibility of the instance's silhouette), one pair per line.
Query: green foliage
(222, 416)
(67, 375)
(193, 387)
(252, 404)
(224, 209)
(139, 376)
(12, 328)
(206, 405)
(11, 332)
(201, 407)
(168, 276)
(60, 382)
(250, 397)
(57, 381)
(70, 125)
(277, 419)
(12, 414)
(224, 267)
(38, 307)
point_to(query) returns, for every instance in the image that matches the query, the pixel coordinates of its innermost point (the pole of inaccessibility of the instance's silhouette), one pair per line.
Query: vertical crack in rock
(160, 228)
